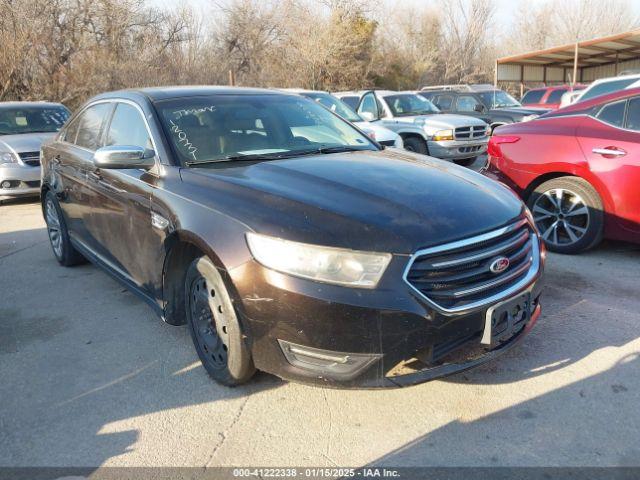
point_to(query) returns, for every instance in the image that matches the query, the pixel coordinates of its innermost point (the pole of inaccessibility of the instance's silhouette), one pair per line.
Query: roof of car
(586, 105)
(165, 93)
(551, 88)
(302, 90)
(15, 104)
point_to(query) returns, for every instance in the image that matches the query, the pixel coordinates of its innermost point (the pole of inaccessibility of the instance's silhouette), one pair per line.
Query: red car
(578, 169)
(548, 97)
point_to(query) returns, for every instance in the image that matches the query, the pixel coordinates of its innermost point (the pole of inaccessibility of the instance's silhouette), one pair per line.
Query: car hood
(442, 121)
(26, 142)
(388, 201)
(381, 133)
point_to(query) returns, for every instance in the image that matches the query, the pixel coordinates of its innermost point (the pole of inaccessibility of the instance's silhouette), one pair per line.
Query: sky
(505, 10)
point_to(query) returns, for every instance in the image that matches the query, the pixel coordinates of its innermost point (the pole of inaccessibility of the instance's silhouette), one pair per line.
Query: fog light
(6, 184)
(327, 363)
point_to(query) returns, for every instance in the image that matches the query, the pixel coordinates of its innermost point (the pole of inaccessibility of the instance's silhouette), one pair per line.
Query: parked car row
(283, 232)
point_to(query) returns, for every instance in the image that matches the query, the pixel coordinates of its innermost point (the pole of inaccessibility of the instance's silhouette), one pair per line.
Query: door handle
(613, 151)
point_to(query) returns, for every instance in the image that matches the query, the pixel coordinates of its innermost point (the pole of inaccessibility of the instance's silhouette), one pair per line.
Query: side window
(613, 113)
(90, 124)
(633, 114)
(71, 132)
(467, 103)
(556, 96)
(369, 104)
(352, 101)
(444, 102)
(128, 128)
(532, 96)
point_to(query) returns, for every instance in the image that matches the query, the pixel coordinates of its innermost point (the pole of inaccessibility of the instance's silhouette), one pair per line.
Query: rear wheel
(465, 162)
(568, 213)
(64, 251)
(415, 144)
(214, 326)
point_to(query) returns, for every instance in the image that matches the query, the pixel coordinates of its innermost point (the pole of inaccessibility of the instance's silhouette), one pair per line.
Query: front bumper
(24, 181)
(457, 149)
(394, 335)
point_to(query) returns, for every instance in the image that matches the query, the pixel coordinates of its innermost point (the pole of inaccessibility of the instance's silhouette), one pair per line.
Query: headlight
(443, 135)
(528, 118)
(8, 157)
(324, 264)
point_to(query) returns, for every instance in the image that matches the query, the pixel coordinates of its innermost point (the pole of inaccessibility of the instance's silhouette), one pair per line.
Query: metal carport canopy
(573, 63)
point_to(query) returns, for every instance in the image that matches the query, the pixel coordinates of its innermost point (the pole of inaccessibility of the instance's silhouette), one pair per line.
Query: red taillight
(493, 149)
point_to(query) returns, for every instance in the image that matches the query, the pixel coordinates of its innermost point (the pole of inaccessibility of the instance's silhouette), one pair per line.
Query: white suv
(608, 85)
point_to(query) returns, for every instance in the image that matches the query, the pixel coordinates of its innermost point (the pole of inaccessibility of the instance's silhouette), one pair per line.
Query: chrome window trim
(531, 276)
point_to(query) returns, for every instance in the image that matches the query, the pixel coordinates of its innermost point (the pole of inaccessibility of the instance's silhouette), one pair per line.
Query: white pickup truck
(423, 128)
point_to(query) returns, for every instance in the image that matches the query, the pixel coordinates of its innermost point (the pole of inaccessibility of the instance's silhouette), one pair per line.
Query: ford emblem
(500, 264)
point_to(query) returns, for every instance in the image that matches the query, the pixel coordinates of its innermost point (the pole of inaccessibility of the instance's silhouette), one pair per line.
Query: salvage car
(423, 127)
(382, 135)
(24, 126)
(579, 170)
(290, 242)
(492, 105)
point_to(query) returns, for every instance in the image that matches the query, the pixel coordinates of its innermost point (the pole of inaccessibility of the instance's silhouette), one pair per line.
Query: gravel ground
(89, 376)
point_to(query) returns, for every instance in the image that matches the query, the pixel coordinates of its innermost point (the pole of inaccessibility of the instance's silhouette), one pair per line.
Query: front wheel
(214, 326)
(415, 144)
(568, 213)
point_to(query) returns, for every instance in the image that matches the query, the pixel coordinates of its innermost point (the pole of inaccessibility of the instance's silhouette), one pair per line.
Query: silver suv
(24, 127)
(423, 128)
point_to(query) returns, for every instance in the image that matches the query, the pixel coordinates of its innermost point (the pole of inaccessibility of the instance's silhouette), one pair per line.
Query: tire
(577, 223)
(415, 144)
(214, 326)
(64, 251)
(465, 162)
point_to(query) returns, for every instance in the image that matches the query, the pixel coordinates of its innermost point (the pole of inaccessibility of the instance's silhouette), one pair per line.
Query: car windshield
(498, 99)
(407, 104)
(32, 119)
(335, 105)
(206, 129)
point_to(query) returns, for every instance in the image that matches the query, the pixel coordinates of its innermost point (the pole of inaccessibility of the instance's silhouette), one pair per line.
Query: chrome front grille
(470, 133)
(30, 158)
(458, 276)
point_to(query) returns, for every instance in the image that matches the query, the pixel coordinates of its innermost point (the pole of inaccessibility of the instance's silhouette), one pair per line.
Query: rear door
(611, 144)
(71, 162)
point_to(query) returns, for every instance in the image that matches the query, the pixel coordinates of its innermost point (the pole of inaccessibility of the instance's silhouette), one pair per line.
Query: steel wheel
(53, 227)
(562, 217)
(210, 323)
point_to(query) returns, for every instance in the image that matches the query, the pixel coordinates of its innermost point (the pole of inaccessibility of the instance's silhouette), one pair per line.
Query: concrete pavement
(89, 376)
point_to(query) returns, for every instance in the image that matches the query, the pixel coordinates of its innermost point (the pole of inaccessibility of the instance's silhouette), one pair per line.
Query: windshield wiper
(274, 156)
(241, 157)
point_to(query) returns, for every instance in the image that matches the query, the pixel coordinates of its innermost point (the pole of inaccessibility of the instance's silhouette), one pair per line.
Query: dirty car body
(402, 282)
(24, 126)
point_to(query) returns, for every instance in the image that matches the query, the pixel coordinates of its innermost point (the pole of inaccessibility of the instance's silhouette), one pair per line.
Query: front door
(121, 219)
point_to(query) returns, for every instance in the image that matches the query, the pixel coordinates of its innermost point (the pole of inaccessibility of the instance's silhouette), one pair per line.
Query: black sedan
(287, 240)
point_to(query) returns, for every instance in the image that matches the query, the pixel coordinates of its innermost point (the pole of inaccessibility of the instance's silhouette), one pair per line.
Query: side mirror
(368, 116)
(124, 156)
(479, 108)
